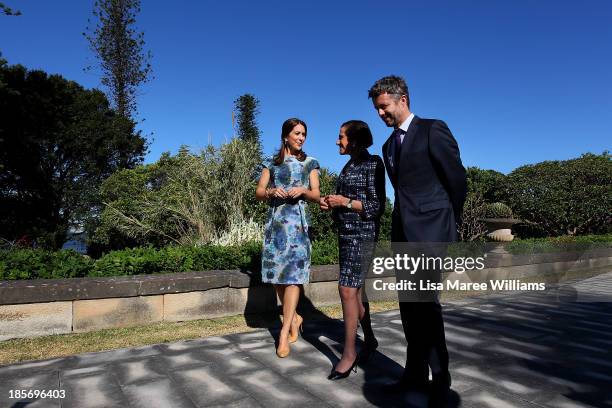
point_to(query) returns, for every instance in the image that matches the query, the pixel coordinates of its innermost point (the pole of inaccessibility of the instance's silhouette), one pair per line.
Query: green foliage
(7, 11)
(564, 197)
(246, 108)
(58, 141)
(498, 210)
(43, 264)
(255, 209)
(472, 228)
(564, 243)
(184, 199)
(120, 51)
(325, 251)
(321, 224)
(385, 222)
(489, 184)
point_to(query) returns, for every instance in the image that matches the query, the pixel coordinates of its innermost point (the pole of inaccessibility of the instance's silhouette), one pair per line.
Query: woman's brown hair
(288, 126)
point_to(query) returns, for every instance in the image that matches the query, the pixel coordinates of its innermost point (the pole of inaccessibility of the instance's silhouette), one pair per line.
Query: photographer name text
(501, 284)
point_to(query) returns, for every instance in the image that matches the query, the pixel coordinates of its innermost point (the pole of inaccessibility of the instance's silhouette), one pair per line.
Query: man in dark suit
(422, 160)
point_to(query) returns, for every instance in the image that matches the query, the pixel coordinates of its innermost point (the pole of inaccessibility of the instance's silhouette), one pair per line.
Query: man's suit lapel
(388, 159)
(390, 147)
(408, 141)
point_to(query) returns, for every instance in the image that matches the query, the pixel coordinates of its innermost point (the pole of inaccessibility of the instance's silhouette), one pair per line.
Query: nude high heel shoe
(283, 352)
(299, 323)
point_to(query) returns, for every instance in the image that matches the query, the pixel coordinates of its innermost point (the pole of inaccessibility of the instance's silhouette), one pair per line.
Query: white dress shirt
(404, 126)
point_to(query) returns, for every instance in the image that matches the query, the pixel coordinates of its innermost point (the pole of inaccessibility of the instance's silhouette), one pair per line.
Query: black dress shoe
(404, 385)
(337, 375)
(439, 391)
(368, 349)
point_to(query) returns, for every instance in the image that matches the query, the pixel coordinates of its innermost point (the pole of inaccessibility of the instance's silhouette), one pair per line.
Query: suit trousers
(422, 321)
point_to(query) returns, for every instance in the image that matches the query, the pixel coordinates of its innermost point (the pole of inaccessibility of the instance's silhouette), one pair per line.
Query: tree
(120, 51)
(484, 186)
(247, 107)
(58, 141)
(489, 184)
(564, 197)
(6, 10)
(472, 227)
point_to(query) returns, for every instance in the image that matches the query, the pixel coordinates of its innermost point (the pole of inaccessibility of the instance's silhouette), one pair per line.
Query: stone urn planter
(500, 229)
(499, 222)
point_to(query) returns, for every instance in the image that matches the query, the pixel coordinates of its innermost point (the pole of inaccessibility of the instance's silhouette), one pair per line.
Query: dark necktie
(397, 135)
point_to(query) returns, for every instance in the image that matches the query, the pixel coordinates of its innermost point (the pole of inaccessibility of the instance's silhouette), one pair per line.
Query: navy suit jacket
(429, 182)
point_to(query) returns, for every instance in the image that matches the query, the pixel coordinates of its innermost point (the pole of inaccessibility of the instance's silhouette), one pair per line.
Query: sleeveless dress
(286, 248)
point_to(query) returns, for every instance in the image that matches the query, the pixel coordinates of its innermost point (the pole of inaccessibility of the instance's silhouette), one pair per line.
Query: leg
(297, 319)
(280, 292)
(290, 299)
(364, 317)
(417, 352)
(350, 312)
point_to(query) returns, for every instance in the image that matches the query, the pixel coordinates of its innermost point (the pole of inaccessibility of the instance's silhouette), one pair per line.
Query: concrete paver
(508, 350)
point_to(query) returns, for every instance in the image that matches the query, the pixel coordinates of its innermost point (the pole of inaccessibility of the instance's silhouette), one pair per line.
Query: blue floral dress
(286, 247)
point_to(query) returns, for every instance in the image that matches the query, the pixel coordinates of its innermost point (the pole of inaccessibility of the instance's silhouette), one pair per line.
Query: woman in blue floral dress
(287, 182)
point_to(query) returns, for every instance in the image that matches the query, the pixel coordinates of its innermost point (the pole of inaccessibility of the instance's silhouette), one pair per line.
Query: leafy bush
(472, 228)
(488, 184)
(187, 199)
(43, 264)
(569, 197)
(565, 243)
(149, 260)
(325, 251)
(321, 225)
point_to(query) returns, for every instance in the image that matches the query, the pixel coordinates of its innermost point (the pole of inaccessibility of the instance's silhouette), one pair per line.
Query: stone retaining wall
(54, 306)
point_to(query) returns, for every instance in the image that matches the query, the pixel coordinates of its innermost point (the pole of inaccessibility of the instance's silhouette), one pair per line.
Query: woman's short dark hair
(358, 133)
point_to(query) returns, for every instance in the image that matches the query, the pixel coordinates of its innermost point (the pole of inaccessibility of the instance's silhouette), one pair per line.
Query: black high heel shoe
(368, 349)
(337, 375)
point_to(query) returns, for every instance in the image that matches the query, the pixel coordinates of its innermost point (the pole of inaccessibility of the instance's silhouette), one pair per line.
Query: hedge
(42, 264)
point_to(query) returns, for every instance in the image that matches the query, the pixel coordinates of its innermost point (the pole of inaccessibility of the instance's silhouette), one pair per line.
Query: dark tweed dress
(361, 179)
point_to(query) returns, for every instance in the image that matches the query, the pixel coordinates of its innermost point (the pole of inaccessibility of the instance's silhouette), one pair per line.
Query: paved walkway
(507, 350)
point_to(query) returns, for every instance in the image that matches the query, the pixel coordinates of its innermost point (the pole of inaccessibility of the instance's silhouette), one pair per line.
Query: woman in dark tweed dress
(357, 207)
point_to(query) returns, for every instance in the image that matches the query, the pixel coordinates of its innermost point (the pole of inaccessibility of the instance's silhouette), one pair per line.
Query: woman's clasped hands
(292, 193)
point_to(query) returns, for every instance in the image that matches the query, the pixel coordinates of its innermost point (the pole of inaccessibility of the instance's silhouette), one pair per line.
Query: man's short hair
(392, 85)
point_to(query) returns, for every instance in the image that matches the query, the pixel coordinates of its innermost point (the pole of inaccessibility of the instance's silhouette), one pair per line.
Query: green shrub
(42, 264)
(325, 251)
(565, 243)
(567, 197)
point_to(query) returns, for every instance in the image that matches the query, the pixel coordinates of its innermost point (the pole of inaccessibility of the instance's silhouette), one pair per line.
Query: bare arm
(312, 194)
(263, 193)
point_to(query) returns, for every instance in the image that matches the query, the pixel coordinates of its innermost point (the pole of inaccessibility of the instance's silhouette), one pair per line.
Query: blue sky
(517, 81)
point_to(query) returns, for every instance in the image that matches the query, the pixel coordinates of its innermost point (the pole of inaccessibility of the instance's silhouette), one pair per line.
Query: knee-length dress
(286, 247)
(363, 179)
